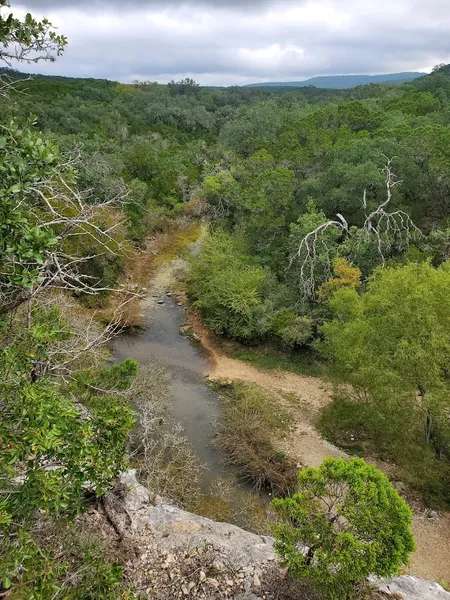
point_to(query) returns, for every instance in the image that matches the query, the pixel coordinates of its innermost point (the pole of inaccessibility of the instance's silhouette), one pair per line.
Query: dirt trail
(307, 447)
(304, 444)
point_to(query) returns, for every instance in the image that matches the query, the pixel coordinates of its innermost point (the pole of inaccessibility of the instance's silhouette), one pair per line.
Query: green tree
(27, 40)
(393, 344)
(346, 522)
(255, 128)
(64, 434)
(230, 289)
(50, 236)
(64, 426)
(53, 449)
(396, 335)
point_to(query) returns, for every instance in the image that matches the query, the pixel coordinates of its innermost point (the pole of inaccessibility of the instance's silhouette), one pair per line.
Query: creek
(196, 406)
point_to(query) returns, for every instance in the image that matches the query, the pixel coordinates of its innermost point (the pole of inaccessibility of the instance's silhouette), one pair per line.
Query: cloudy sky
(226, 42)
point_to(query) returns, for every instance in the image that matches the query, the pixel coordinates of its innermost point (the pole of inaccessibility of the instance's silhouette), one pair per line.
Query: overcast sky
(226, 42)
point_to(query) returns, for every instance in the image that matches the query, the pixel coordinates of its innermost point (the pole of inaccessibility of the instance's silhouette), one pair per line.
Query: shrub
(73, 566)
(345, 523)
(345, 276)
(251, 422)
(230, 290)
(293, 330)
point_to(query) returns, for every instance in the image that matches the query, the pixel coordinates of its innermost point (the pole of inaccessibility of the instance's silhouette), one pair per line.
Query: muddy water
(196, 406)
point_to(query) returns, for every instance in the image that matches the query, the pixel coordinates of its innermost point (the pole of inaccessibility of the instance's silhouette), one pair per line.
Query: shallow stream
(196, 406)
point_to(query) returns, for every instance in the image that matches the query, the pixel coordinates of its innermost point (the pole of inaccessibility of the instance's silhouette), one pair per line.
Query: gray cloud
(144, 4)
(231, 41)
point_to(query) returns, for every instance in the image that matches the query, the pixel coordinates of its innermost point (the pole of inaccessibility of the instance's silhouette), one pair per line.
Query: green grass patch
(292, 398)
(249, 398)
(272, 360)
(343, 422)
(178, 244)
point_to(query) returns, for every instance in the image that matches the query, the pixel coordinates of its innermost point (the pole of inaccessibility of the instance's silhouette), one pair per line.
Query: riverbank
(158, 270)
(141, 265)
(304, 445)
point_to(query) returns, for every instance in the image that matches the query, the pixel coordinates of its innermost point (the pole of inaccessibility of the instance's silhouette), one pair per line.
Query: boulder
(171, 527)
(412, 588)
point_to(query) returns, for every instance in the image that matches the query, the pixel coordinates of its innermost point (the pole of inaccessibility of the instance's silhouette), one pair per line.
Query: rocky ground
(170, 553)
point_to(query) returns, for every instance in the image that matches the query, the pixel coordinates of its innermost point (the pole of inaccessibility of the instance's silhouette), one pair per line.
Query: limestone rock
(173, 530)
(413, 588)
(173, 527)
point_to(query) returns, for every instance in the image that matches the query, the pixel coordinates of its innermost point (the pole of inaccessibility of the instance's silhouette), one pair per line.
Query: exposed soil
(308, 448)
(303, 443)
(156, 259)
(432, 557)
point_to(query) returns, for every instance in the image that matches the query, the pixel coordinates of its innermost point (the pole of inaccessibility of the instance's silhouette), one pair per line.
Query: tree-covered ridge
(327, 232)
(343, 82)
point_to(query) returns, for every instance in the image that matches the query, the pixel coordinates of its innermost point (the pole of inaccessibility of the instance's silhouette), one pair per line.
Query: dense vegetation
(327, 232)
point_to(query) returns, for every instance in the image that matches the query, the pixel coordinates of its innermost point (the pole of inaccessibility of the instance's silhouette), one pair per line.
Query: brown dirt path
(303, 444)
(308, 448)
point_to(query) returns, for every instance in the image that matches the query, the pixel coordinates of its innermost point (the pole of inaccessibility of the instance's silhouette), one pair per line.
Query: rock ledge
(171, 533)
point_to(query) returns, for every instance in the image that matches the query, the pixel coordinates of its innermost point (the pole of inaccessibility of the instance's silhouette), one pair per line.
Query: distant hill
(343, 82)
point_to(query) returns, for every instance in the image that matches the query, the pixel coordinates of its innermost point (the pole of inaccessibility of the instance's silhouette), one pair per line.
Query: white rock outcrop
(413, 588)
(172, 528)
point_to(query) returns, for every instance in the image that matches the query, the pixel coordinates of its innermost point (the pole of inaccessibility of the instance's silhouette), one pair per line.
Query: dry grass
(168, 466)
(226, 502)
(166, 461)
(124, 306)
(251, 420)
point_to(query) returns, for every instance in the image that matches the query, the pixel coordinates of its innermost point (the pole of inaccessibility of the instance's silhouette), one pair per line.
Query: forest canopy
(326, 232)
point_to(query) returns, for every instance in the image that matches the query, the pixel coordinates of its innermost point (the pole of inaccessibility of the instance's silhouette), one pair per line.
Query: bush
(251, 422)
(239, 298)
(346, 522)
(293, 330)
(229, 290)
(73, 567)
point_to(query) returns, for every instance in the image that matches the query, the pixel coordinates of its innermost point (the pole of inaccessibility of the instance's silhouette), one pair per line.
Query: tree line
(327, 232)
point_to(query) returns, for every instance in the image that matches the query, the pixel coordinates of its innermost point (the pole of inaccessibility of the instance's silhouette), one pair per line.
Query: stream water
(196, 406)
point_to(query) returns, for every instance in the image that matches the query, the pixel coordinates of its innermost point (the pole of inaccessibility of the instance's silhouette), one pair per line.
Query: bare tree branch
(380, 224)
(63, 212)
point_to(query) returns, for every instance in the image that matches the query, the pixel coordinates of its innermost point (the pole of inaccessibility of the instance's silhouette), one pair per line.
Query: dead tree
(381, 225)
(56, 206)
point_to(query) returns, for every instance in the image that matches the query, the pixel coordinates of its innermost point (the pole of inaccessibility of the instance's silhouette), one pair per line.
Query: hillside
(342, 82)
(304, 233)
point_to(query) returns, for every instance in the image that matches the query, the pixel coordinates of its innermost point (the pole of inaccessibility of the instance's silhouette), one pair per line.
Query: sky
(235, 42)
